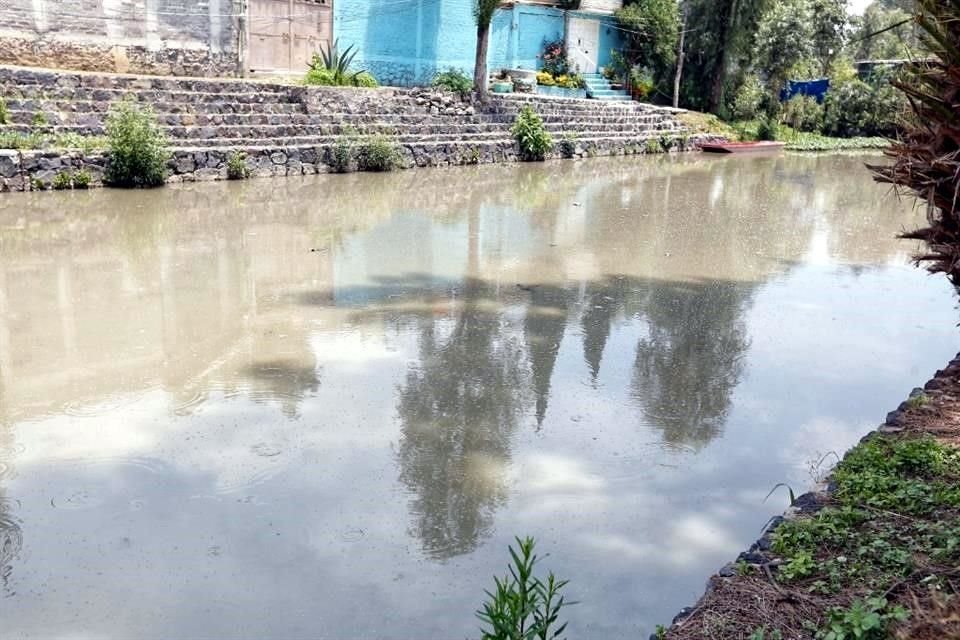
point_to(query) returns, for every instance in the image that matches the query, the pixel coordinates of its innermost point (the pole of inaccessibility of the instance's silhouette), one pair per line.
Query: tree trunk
(480, 65)
(680, 55)
(720, 72)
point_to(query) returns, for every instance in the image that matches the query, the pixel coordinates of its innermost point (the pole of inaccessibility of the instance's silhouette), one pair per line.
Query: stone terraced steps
(288, 129)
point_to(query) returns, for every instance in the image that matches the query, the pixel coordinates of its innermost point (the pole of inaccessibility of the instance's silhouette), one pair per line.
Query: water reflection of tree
(543, 329)
(691, 358)
(458, 409)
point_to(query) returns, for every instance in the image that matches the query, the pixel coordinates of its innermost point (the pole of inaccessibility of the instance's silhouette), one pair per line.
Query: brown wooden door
(284, 34)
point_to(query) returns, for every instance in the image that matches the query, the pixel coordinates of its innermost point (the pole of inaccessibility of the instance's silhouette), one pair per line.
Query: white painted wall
(600, 6)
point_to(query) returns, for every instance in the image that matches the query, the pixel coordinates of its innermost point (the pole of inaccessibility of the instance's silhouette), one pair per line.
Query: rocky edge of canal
(873, 552)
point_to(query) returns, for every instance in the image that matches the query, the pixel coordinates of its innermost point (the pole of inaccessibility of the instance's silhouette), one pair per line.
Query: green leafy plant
(522, 606)
(62, 181)
(454, 80)
(39, 119)
(768, 129)
(747, 99)
(39, 185)
(534, 139)
(82, 179)
(332, 67)
(237, 166)
(378, 154)
(652, 146)
(803, 113)
(760, 633)
(660, 632)
(4, 112)
(342, 155)
(138, 149)
(864, 620)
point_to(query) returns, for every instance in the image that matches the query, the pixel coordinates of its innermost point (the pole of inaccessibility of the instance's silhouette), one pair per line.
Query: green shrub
(747, 100)
(803, 113)
(39, 185)
(332, 68)
(652, 146)
(453, 80)
(82, 179)
(365, 79)
(320, 77)
(39, 119)
(4, 112)
(340, 157)
(379, 154)
(237, 166)
(856, 108)
(62, 181)
(768, 129)
(138, 149)
(528, 130)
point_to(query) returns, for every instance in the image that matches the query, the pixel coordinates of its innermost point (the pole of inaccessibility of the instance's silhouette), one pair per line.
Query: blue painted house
(405, 42)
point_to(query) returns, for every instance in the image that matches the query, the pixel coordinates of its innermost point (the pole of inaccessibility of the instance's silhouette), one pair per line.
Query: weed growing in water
(522, 606)
(534, 139)
(379, 154)
(652, 146)
(62, 181)
(82, 179)
(138, 149)
(237, 166)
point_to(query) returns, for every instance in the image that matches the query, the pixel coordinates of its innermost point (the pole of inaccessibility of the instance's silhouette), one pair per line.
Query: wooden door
(284, 34)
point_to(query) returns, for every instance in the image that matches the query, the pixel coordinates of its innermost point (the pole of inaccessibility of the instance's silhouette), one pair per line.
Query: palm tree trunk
(480, 66)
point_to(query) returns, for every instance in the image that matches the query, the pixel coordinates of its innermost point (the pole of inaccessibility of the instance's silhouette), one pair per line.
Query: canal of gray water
(322, 407)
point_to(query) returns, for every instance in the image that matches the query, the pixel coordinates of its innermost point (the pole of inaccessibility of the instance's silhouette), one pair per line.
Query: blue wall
(404, 42)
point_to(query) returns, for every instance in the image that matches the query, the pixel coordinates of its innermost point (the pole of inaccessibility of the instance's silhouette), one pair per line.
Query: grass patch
(707, 123)
(36, 140)
(894, 528)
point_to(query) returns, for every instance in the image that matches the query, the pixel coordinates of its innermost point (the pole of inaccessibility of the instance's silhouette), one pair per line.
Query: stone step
(95, 94)
(406, 140)
(93, 122)
(228, 132)
(90, 106)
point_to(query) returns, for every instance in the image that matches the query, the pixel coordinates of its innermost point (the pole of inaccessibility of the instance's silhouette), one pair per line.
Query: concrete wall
(406, 43)
(183, 37)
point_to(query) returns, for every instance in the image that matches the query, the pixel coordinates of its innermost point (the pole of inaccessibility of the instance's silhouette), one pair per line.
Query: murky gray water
(322, 408)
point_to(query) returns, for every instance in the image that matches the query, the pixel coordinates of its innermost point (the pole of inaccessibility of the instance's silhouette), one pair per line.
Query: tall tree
(652, 28)
(828, 30)
(784, 38)
(483, 11)
(720, 33)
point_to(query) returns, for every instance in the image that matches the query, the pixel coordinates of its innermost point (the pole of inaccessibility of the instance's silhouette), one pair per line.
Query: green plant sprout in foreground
(522, 606)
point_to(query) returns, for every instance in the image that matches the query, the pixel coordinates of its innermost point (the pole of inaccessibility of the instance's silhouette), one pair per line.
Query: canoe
(742, 147)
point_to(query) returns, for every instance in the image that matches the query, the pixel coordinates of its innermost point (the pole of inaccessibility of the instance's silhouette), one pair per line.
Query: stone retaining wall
(37, 170)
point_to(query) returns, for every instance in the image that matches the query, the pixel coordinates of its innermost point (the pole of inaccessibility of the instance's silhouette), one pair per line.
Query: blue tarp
(815, 88)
